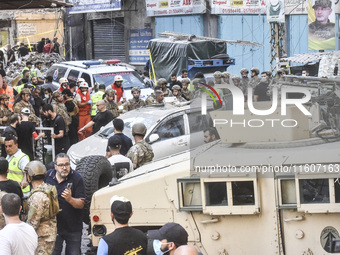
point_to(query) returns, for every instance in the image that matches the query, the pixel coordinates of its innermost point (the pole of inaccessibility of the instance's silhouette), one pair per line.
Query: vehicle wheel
(97, 173)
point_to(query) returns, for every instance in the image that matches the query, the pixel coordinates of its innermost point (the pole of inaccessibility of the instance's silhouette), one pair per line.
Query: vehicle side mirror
(153, 138)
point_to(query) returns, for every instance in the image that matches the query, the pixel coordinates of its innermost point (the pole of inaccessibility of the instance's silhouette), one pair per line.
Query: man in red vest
(6, 89)
(117, 86)
(63, 84)
(84, 103)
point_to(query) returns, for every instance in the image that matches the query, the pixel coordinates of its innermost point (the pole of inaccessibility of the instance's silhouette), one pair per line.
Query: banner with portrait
(275, 11)
(321, 26)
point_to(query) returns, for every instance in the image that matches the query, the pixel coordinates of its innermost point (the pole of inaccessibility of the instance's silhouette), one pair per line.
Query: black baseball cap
(120, 207)
(172, 232)
(114, 142)
(3, 165)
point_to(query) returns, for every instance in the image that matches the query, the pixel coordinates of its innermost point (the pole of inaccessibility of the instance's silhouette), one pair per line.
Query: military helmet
(110, 91)
(83, 84)
(255, 70)
(185, 80)
(139, 129)
(4, 96)
(217, 74)
(176, 87)
(161, 81)
(244, 70)
(225, 74)
(118, 78)
(63, 80)
(56, 94)
(135, 89)
(35, 168)
(236, 78)
(25, 91)
(26, 111)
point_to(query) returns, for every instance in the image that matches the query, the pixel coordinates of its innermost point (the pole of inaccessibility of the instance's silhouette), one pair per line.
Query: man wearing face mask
(168, 238)
(83, 98)
(124, 239)
(63, 84)
(260, 92)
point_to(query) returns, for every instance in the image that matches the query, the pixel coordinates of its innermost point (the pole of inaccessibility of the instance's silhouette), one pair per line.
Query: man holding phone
(71, 196)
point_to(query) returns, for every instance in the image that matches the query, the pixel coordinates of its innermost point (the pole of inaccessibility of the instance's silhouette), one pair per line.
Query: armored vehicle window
(216, 193)
(314, 191)
(243, 193)
(190, 196)
(337, 190)
(171, 128)
(87, 78)
(288, 191)
(73, 75)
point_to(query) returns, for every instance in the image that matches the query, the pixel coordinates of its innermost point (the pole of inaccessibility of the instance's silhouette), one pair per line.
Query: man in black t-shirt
(118, 127)
(102, 117)
(10, 54)
(23, 50)
(124, 239)
(10, 131)
(7, 185)
(260, 91)
(60, 136)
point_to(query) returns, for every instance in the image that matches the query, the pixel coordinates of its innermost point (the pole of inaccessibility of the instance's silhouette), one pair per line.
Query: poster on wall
(321, 26)
(174, 7)
(84, 6)
(238, 7)
(296, 7)
(139, 39)
(275, 11)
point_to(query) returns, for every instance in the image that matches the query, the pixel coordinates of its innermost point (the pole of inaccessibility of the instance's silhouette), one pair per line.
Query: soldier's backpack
(52, 195)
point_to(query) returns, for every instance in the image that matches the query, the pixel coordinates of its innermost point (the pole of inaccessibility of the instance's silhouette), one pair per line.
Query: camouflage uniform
(22, 104)
(2, 218)
(180, 98)
(150, 99)
(140, 153)
(187, 94)
(112, 107)
(244, 84)
(39, 218)
(132, 104)
(167, 93)
(5, 112)
(254, 81)
(60, 109)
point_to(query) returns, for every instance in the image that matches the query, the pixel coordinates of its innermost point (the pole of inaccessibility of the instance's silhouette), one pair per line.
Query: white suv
(100, 72)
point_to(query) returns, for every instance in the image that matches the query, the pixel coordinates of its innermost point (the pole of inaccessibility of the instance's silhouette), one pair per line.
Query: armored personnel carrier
(268, 186)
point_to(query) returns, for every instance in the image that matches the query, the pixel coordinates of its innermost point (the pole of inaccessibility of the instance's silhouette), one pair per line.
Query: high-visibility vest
(10, 93)
(15, 173)
(84, 110)
(95, 98)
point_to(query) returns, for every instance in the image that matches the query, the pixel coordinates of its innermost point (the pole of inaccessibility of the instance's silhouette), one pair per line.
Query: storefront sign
(174, 7)
(139, 39)
(83, 6)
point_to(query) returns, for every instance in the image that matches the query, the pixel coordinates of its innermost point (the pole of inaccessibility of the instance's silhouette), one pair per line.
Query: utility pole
(277, 34)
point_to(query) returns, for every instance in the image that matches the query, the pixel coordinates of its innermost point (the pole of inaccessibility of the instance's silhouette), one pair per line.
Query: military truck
(268, 186)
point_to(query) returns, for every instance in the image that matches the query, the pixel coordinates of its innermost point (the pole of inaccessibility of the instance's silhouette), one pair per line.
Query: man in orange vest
(117, 86)
(63, 84)
(6, 89)
(84, 103)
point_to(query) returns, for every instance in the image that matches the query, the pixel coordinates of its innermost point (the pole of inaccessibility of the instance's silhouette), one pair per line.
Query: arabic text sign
(174, 7)
(83, 6)
(139, 39)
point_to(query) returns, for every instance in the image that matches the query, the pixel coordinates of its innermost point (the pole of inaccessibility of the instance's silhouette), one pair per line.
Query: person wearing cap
(321, 32)
(62, 142)
(71, 196)
(124, 239)
(25, 95)
(36, 72)
(118, 159)
(163, 83)
(72, 109)
(102, 118)
(186, 93)
(60, 108)
(110, 103)
(135, 102)
(117, 86)
(26, 131)
(17, 160)
(255, 79)
(83, 98)
(38, 215)
(99, 95)
(168, 238)
(12, 93)
(176, 91)
(141, 152)
(118, 127)
(5, 112)
(217, 77)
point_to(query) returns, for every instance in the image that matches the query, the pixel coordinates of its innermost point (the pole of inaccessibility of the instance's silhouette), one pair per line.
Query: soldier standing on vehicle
(110, 103)
(141, 152)
(83, 98)
(99, 95)
(60, 108)
(124, 239)
(72, 109)
(255, 79)
(176, 91)
(5, 112)
(24, 103)
(40, 214)
(135, 102)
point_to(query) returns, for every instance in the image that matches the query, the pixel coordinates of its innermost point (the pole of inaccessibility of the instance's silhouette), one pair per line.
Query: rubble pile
(15, 69)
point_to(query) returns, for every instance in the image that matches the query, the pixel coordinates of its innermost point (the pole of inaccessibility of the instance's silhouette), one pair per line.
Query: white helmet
(83, 85)
(26, 111)
(119, 78)
(80, 80)
(62, 80)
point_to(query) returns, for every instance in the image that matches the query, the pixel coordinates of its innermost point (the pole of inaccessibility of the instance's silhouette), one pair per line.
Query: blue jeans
(73, 243)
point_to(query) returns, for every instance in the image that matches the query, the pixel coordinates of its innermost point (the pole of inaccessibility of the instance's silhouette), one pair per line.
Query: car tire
(97, 173)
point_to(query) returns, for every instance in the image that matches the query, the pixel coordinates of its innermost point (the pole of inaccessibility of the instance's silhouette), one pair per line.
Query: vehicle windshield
(129, 121)
(131, 79)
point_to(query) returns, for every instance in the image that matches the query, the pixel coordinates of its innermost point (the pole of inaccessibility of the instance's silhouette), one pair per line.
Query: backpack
(52, 195)
(75, 109)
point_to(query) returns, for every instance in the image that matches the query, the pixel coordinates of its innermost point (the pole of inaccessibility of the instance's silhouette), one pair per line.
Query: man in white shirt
(122, 164)
(17, 237)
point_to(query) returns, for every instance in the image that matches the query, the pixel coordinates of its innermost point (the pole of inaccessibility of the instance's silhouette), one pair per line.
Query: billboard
(321, 26)
(174, 7)
(238, 7)
(84, 6)
(138, 46)
(275, 11)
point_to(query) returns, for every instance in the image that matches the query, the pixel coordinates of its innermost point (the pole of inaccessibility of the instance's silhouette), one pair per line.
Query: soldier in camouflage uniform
(25, 95)
(176, 91)
(255, 79)
(60, 108)
(186, 93)
(5, 112)
(110, 103)
(162, 83)
(217, 77)
(244, 79)
(135, 102)
(39, 209)
(141, 152)
(151, 99)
